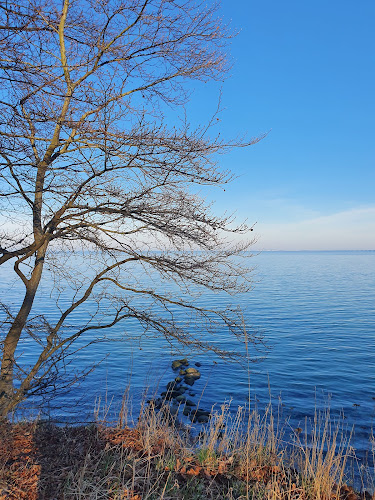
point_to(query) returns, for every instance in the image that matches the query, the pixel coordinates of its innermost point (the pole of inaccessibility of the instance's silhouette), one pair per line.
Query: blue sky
(305, 72)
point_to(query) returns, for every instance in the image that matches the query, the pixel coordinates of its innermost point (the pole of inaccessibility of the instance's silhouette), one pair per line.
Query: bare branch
(99, 178)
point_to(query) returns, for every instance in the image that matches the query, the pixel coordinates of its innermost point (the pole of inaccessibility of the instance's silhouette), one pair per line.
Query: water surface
(317, 313)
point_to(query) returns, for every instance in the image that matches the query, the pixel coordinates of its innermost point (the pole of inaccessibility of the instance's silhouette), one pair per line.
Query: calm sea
(317, 313)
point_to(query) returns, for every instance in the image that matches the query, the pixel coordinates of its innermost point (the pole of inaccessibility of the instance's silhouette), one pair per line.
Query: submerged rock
(171, 385)
(189, 402)
(176, 364)
(170, 394)
(181, 398)
(189, 380)
(202, 419)
(174, 410)
(204, 413)
(156, 403)
(200, 416)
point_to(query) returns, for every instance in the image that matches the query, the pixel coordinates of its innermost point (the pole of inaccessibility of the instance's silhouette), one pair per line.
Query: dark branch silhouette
(93, 177)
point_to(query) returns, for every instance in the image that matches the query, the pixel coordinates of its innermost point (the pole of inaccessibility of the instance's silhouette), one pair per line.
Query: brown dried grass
(160, 458)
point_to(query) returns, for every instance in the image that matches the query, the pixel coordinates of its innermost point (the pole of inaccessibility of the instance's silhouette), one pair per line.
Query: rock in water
(170, 394)
(203, 413)
(191, 375)
(202, 419)
(188, 402)
(178, 363)
(181, 398)
(193, 372)
(174, 410)
(171, 385)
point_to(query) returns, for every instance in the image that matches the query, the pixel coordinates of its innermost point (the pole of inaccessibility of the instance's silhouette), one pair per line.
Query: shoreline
(160, 458)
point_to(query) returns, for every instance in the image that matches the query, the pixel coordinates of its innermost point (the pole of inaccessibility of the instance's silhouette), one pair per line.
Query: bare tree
(90, 168)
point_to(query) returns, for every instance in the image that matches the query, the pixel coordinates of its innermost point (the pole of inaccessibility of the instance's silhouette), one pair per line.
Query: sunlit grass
(235, 455)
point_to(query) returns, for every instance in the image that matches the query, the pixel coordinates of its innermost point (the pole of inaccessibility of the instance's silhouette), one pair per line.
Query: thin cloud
(348, 230)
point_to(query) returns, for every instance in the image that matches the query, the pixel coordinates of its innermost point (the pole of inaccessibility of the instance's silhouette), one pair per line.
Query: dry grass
(244, 456)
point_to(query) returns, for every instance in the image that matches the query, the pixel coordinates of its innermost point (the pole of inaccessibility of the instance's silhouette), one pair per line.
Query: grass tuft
(237, 456)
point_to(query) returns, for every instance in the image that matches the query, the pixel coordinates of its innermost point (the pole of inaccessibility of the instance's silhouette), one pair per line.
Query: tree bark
(14, 334)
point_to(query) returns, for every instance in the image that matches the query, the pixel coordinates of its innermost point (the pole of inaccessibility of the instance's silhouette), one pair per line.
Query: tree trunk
(14, 334)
